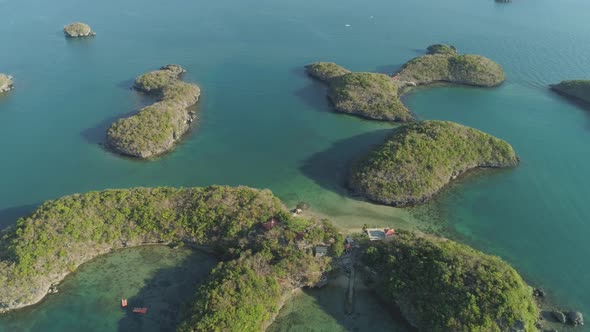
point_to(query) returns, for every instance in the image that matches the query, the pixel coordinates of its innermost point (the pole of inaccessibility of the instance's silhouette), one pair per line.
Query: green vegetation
(325, 71)
(5, 83)
(441, 285)
(259, 269)
(78, 29)
(377, 96)
(443, 64)
(441, 49)
(578, 89)
(370, 95)
(156, 128)
(420, 158)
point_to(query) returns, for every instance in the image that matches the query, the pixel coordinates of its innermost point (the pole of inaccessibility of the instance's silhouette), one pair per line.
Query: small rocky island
(441, 285)
(6, 83)
(576, 89)
(157, 127)
(377, 96)
(419, 159)
(78, 29)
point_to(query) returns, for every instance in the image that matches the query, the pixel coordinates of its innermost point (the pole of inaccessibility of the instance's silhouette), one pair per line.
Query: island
(78, 29)
(265, 252)
(155, 129)
(443, 64)
(420, 158)
(576, 89)
(6, 83)
(441, 285)
(377, 96)
(369, 95)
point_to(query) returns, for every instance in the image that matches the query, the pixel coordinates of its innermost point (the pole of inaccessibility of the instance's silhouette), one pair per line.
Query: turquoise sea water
(156, 277)
(263, 123)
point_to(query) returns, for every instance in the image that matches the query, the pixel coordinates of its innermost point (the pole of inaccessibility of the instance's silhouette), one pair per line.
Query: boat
(123, 303)
(142, 311)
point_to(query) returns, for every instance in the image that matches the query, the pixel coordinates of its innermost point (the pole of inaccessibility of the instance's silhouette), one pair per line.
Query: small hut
(389, 232)
(321, 251)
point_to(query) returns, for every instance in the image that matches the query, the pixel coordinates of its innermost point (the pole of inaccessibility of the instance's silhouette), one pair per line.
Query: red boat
(142, 311)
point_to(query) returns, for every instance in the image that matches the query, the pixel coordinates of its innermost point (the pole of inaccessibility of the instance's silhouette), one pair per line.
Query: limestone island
(265, 253)
(420, 158)
(78, 29)
(441, 285)
(6, 83)
(377, 96)
(576, 89)
(157, 127)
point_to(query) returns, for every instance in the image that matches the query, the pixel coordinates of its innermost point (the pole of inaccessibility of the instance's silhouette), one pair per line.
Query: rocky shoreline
(156, 129)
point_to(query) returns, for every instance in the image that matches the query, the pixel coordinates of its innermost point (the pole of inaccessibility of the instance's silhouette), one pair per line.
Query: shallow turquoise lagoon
(155, 277)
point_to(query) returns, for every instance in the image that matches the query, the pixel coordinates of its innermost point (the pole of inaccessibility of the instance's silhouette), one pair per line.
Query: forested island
(420, 158)
(78, 29)
(441, 285)
(576, 89)
(157, 127)
(6, 83)
(377, 96)
(266, 253)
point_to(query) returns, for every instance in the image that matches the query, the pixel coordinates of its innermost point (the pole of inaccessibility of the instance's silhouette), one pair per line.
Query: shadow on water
(126, 84)
(98, 133)
(388, 69)
(585, 106)
(330, 168)
(9, 216)
(314, 94)
(165, 293)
